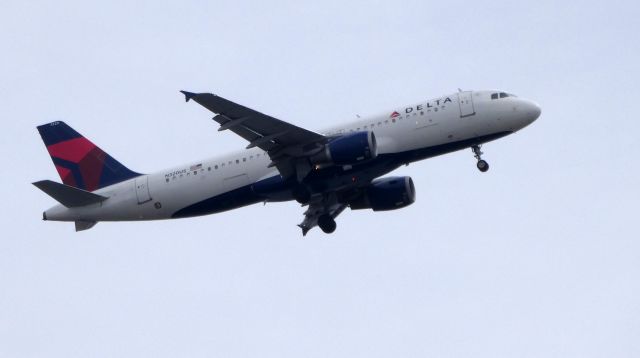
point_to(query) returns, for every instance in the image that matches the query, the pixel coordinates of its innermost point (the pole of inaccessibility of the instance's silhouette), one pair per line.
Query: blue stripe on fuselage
(384, 163)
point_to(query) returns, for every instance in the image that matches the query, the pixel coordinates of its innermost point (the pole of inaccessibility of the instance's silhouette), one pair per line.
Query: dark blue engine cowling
(386, 194)
(349, 149)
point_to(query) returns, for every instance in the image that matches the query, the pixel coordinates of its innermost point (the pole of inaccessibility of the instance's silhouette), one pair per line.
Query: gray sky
(537, 258)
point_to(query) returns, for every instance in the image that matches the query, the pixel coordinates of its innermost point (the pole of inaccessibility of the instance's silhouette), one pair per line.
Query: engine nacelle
(348, 149)
(386, 194)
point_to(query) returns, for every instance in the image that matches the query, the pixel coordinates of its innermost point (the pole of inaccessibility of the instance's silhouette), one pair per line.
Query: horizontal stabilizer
(67, 195)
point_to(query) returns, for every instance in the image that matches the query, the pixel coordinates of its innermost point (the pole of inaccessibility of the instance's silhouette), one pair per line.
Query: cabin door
(465, 100)
(142, 189)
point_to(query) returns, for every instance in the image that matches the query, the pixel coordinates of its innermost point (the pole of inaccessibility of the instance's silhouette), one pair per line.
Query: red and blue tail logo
(79, 162)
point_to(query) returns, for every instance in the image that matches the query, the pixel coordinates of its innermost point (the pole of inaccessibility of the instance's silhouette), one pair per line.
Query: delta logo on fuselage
(420, 107)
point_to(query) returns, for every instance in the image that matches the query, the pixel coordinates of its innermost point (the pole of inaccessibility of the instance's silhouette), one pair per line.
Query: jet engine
(386, 194)
(348, 149)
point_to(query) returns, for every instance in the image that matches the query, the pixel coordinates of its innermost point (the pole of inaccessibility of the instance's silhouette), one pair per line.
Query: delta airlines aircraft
(326, 172)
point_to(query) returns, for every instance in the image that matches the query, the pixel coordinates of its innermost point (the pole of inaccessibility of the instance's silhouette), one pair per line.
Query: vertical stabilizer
(79, 162)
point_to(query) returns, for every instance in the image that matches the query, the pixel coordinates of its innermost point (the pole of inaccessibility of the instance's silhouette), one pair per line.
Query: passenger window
(216, 167)
(244, 159)
(237, 161)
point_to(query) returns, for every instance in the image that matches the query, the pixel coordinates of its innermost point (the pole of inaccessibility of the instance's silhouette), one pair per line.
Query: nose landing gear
(482, 165)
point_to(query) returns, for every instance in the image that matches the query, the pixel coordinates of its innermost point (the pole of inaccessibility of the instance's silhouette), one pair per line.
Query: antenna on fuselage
(459, 90)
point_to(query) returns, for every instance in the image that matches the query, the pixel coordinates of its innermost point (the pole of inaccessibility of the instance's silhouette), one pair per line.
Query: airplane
(324, 171)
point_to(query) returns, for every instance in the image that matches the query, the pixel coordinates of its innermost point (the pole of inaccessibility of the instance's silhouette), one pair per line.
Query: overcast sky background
(539, 257)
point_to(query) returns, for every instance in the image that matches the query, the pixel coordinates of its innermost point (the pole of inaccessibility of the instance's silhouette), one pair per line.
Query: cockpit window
(501, 95)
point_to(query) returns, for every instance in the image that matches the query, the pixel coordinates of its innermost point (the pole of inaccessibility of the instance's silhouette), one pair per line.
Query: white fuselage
(405, 134)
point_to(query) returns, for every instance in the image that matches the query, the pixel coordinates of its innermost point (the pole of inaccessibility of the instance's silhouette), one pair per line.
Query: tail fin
(79, 162)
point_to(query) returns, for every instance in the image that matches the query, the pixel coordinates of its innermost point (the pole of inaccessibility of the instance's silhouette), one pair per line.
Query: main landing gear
(301, 194)
(327, 224)
(482, 165)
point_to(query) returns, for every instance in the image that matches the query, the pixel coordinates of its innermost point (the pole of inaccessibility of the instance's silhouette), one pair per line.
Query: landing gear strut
(327, 224)
(482, 165)
(301, 194)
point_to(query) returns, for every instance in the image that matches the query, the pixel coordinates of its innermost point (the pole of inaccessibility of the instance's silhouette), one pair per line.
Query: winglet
(188, 95)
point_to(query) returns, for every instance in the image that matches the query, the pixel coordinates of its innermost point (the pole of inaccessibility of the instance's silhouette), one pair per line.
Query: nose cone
(532, 111)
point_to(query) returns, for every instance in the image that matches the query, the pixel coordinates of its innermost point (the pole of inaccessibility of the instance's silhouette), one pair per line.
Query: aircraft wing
(281, 140)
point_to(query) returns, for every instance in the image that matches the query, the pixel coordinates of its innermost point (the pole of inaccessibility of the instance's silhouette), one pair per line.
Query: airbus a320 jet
(325, 171)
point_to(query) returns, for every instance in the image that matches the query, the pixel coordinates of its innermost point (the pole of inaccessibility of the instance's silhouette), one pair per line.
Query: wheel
(301, 194)
(483, 166)
(327, 224)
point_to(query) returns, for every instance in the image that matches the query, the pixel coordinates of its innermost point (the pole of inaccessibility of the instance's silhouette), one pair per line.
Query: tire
(483, 166)
(327, 224)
